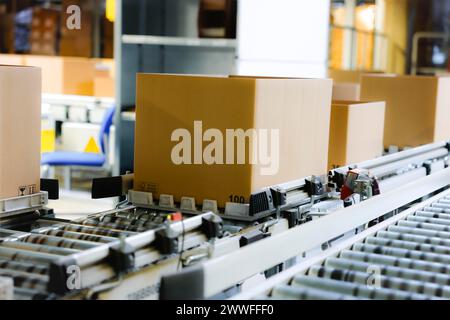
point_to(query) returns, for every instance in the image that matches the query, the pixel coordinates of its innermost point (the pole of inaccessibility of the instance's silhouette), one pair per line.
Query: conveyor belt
(408, 259)
(414, 212)
(27, 257)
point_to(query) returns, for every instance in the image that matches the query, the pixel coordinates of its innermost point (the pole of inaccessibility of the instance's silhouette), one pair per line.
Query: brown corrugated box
(349, 76)
(104, 87)
(346, 91)
(417, 108)
(104, 81)
(20, 132)
(77, 42)
(356, 132)
(12, 59)
(65, 75)
(298, 108)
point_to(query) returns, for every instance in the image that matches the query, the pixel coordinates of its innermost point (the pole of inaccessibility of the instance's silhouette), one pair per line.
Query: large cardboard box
(346, 91)
(104, 81)
(356, 132)
(65, 75)
(289, 117)
(12, 59)
(417, 108)
(349, 76)
(20, 130)
(104, 87)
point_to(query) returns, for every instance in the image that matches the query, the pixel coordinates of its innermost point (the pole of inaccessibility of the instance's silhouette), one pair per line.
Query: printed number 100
(237, 199)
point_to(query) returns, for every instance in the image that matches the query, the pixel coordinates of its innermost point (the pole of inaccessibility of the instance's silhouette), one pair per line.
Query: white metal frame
(23, 204)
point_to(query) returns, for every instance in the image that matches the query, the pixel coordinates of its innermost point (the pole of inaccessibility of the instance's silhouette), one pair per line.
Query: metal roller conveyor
(419, 231)
(27, 255)
(78, 236)
(58, 242)
(414, 238)
(434, 221)
(436, 210)
(138, 224)
(134, 220)
(386, 282)
(339, 285)
(409, 153)
(38, 248)
(430, 214)
(389, 271)
(402, 253)
(404, 257)
(286, 292)
(38, 261)
(113, 251)
(138, 241)
(97, 231)
(26, 280)
(29, 294)
(114, 226)
(391, 168)
(408, 245)
(424, 226)
(392, 171)
(24, 266)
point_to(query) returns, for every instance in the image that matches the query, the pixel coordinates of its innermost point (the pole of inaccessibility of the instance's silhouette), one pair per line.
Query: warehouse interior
(149, 145)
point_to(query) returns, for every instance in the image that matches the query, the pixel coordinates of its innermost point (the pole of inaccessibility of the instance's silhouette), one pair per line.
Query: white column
(381, 45)
(283, 37)
(349, 43)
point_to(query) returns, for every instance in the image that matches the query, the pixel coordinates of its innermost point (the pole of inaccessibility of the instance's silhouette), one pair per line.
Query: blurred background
(89, 72)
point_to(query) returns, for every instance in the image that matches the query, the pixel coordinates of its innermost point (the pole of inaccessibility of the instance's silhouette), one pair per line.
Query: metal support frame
(23, 204)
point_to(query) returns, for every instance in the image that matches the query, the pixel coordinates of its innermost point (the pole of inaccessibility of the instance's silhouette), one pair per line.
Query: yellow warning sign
(92, 146)
(48, 140)
(110, 10)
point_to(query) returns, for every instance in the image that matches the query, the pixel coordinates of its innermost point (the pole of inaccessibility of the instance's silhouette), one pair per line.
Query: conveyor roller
(409, 259)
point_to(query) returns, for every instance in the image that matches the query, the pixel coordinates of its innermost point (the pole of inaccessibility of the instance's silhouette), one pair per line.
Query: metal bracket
(167, 241)
(23, 204)
(212, 226)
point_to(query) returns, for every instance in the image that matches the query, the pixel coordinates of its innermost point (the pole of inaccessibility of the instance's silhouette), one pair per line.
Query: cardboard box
(104, 81)
(20, 130)
(298, 110)
(345, 76)
(64, 75)
(77, 42)
(349, 76)
(417, 108)
(346, 91)
(12, 59)
(44, 31)
(104, 87)
(356, 132)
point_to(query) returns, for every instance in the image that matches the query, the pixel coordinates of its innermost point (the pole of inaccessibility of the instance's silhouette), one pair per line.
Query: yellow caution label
(92, 146)
(110, 10)
(48, 140)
